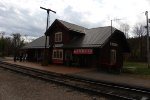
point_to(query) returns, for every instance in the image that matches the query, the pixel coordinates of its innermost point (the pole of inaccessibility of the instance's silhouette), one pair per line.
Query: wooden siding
(105, 55)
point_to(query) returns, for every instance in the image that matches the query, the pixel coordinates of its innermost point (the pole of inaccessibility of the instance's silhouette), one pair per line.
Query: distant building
(78, 46)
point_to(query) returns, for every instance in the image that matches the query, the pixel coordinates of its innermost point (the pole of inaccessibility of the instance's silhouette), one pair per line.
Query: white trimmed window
(58, 37)
(113, 56)
(58, 54)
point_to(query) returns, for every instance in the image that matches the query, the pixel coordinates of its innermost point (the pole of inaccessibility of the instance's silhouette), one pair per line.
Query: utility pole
(45, 60)
(148, 53)
(111, 26)
(112, 23)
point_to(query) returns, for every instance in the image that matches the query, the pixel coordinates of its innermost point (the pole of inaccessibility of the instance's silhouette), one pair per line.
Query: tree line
(137, 43)
(10, 45)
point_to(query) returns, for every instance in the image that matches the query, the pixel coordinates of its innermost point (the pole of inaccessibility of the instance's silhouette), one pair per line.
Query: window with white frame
(58, 37)
(58, 54)
(113, 56)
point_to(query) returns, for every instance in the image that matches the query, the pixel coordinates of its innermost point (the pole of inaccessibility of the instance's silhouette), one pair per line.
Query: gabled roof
(37, 43)
(94, 37)
(69, 26)
(73, 27)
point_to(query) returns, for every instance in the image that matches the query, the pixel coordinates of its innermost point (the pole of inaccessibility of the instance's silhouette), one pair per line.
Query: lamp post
(148, 53)
(45, 62)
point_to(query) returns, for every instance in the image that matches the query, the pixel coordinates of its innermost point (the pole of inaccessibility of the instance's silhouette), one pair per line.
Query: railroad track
(110, 90)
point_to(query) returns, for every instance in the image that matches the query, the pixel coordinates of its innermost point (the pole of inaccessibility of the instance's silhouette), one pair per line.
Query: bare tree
(16, 39)
(125, 28)
(139, 31)
(18, 43)
(2, 34)
(2, 46)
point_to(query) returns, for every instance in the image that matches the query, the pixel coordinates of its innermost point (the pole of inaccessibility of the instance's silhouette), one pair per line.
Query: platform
(126, 79)
(52, 68)
(89, 73)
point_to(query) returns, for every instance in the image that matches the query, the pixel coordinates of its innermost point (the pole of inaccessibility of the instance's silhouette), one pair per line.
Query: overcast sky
(26, 17)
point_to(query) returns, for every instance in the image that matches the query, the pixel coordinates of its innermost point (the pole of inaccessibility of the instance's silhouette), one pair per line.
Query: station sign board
(113, 44)
(83, 51)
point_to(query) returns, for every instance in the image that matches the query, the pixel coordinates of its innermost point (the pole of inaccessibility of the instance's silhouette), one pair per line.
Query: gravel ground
(15, 86)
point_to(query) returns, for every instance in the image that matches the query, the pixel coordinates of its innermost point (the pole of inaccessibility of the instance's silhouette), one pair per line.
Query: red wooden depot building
(75, 45)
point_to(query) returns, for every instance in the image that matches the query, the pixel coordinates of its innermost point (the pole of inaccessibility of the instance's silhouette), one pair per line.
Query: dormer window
(58, 37)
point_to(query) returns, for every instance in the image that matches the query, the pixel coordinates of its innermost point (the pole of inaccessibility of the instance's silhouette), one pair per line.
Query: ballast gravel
(14, 86)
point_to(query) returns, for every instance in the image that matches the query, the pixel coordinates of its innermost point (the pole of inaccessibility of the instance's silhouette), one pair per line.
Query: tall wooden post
(45, 58)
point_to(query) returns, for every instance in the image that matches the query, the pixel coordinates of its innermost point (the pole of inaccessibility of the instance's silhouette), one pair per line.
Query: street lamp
(45, 62)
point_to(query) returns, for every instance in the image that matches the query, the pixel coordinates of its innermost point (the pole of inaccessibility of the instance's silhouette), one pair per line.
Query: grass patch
(135, 64)
(136, 68)
(142, 71)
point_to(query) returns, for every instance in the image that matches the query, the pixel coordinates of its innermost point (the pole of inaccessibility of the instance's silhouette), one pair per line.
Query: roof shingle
(73, 27)
(94, 37)
(38, 43)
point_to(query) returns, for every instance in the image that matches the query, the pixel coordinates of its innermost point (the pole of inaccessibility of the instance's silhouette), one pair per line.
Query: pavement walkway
(52, 68)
